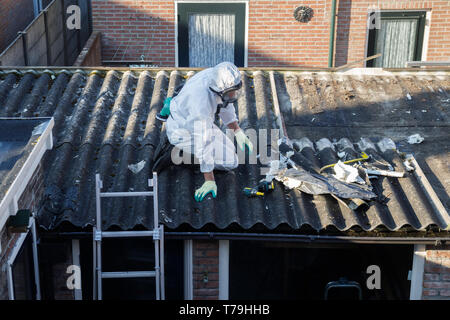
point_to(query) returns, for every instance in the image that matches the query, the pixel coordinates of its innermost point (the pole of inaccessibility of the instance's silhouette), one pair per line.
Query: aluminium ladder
(157, 233)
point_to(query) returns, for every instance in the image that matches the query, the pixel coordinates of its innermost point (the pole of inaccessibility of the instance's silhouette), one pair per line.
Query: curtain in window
(211, 39)
(397, 42)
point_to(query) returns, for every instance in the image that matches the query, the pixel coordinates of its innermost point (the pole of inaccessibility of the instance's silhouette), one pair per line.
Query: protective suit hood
(225, 75)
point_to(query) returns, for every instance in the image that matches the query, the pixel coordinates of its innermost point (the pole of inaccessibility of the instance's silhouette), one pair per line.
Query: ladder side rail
(99, 271)
(98, 186)
(94, 265)
(157, 279)
(154, 183)
(161, 248)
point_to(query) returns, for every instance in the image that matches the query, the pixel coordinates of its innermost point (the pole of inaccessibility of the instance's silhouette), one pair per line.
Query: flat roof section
(23, 142)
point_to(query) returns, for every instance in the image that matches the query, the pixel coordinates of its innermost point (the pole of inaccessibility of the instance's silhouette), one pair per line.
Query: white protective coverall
(190, 126)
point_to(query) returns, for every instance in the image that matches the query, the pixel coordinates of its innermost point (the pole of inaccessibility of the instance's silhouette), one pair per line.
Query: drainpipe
(332, 29)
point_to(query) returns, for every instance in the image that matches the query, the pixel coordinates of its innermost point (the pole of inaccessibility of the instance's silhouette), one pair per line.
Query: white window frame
(176, 2)
(13, 256)
(37, 5)
(188, 270)
(78, 293)
(224, 269)
(417, 272)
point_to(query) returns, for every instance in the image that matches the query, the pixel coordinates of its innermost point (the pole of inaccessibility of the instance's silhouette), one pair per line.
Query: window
(399, 39)
(38, 6)
(210, 33)
(22, 269)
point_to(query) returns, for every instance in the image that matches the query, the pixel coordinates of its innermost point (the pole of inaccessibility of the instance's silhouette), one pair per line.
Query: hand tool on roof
(265, 186)
(251, 192)
(260, 190)
(364, 157)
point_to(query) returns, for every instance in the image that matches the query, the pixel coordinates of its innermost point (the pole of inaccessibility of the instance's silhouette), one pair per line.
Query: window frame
(398, 15)
(184, 9)
(33, 255)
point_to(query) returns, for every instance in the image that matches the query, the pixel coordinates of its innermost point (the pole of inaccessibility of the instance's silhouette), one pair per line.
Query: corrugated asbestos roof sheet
(105, 120)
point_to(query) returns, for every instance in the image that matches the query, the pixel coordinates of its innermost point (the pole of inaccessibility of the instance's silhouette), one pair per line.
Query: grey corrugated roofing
(105, 120)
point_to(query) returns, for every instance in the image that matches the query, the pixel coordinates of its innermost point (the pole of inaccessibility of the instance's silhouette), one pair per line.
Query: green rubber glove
(243, 140)
(165, 111)
(208, 187)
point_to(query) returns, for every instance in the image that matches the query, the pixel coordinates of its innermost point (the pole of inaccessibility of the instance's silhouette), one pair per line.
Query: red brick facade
(29, 199)
(436, 278)
(15, 15)
(206, 269)
(275, 38)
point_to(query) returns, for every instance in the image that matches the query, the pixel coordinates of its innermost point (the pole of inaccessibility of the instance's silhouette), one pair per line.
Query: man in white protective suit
(190, 122)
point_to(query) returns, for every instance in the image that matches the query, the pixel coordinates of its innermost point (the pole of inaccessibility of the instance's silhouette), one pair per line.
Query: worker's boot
(162, 156)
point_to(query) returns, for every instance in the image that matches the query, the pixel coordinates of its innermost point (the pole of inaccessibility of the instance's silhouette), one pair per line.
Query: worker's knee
(227, 164)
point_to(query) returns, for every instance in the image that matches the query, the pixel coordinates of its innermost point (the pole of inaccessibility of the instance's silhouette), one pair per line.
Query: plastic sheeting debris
(386, 144)
(304, 176)
(408, 166)
(415, 139)
(137, 167)
(347, 173)
(316, 184)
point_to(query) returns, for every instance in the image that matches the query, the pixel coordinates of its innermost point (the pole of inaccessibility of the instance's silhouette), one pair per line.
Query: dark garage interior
(289, 270)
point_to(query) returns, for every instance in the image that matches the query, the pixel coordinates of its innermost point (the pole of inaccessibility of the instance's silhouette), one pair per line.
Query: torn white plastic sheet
(316, 184)
(395, 174)
(408, 166)
(386, 144)
(347, 173)
(137, 167)
(415, 139)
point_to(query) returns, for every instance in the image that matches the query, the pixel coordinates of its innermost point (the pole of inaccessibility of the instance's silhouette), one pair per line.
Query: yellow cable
(363, 155)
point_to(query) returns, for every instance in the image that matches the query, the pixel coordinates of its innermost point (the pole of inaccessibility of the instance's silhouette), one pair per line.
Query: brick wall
(134, 28)
(436, 278)
(206, 266)
(15, 15)
(275, 38)
(29, 199)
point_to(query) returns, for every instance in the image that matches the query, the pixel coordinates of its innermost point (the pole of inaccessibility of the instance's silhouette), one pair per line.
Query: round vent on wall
(303, 14)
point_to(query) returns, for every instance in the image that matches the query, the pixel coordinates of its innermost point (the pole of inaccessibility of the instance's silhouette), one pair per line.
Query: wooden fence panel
(50, 43)
(13, 55)
(36, 43)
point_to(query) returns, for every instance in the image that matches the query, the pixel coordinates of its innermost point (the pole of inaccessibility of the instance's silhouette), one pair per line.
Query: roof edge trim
(9, 203)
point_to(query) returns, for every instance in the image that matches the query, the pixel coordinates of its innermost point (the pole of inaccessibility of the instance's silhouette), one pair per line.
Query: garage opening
(133, 254)
(281, 270)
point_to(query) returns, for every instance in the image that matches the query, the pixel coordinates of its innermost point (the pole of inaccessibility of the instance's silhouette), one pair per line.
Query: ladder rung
(125, 194)
(128, 274)
(126, 234)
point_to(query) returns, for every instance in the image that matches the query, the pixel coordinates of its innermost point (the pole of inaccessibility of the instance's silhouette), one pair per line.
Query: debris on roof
(103, 126)
(415, 139)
